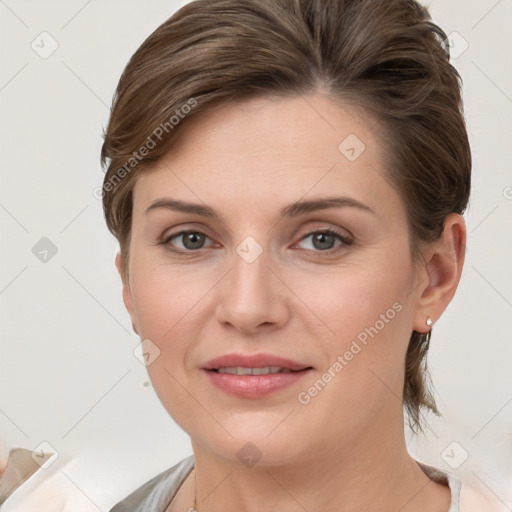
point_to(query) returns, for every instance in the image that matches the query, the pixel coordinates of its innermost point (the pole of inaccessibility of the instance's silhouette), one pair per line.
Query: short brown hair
(386, 56)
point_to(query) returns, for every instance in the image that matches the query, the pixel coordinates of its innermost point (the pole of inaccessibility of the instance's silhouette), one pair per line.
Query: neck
(372, 470)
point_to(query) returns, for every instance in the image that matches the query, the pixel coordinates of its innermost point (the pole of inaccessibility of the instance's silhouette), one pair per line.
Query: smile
(239, 370)
(254, 383)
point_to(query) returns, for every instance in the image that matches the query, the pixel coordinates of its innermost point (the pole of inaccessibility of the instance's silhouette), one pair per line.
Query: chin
(256, 443)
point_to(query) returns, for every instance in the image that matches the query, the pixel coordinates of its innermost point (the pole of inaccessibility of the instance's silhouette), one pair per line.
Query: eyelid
(341, 232)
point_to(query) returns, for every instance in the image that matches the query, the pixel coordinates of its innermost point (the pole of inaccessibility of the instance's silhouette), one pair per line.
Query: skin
(345, 450)
(4, 456)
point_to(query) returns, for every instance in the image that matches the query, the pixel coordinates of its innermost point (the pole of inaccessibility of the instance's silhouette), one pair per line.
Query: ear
(441, 276)
(127, 293)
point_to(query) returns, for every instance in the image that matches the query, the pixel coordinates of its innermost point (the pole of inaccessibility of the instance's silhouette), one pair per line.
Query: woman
(287, 180)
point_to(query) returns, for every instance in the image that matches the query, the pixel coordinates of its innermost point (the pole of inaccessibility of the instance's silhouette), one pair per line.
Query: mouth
(267, 370)
(248, 363)
(254, 376)
(254, 383)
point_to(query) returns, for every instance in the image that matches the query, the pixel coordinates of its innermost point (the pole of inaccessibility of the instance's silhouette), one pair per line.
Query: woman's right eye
(191, 241)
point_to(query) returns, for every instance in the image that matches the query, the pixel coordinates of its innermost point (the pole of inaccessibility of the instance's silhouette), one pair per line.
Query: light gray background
(68, 374)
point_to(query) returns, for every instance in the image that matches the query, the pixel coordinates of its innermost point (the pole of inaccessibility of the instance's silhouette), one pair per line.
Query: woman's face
(254, 279)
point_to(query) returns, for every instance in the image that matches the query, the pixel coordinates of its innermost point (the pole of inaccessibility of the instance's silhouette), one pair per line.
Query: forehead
(272, 148)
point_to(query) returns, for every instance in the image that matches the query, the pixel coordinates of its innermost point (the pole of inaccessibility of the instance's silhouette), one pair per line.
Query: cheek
(358, 300)
(366, 322)
(364, 360)
(166, 303)
(165, 299)
(170, 309)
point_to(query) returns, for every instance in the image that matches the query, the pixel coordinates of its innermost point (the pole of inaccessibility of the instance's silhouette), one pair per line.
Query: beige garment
(21, 465)
(34, 481)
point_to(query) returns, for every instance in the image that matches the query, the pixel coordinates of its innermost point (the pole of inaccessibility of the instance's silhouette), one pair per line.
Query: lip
(254, 386)
(254, 361)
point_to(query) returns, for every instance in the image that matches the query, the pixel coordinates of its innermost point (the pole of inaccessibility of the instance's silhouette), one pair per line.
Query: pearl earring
(429, 321)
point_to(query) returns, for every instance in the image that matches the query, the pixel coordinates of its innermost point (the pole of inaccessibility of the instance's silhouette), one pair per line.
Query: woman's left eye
(321, 241)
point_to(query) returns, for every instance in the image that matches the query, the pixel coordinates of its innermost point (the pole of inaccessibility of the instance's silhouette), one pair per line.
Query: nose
(253, 298)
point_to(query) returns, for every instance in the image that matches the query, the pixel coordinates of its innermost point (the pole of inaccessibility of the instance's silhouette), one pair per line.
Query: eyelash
(346, 241)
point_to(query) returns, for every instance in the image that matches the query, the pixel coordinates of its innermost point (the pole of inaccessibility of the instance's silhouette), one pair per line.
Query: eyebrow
(291, 210)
